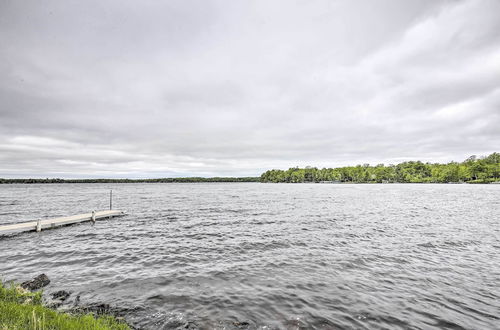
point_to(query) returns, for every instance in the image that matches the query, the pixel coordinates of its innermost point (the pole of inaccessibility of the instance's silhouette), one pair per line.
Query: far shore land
(472, 170)
(188, 180)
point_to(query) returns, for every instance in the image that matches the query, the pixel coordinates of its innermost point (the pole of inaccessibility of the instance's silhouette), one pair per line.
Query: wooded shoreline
(472, 170)
(35, 181)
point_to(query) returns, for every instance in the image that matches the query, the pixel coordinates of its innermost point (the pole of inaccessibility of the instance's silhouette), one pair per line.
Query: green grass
(20, 309)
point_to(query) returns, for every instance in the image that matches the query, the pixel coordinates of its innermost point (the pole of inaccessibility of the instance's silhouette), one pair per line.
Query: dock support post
(110, 201)
(93, 216)
(39, 225)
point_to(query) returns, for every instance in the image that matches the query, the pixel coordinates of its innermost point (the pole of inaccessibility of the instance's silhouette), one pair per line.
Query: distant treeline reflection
(472, 170)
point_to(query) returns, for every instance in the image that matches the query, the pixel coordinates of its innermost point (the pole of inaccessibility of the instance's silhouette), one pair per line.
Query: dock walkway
(57, 222)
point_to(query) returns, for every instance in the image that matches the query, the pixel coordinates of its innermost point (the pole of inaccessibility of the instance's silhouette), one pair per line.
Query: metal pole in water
(39, 224)
(93, 216)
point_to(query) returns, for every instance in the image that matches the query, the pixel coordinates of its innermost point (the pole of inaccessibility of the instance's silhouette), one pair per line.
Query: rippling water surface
(269, 256)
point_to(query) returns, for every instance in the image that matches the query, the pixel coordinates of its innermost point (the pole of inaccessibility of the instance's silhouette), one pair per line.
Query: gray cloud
(177, 88)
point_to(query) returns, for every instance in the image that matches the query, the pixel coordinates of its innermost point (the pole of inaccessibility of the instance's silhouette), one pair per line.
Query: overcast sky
(232, 88)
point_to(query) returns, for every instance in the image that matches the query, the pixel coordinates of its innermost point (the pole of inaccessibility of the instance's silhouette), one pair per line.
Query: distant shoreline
(483, 170)
(159, 180)
(257, 180)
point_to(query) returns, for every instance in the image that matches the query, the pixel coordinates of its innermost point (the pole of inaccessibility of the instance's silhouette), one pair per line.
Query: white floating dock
(57, 222)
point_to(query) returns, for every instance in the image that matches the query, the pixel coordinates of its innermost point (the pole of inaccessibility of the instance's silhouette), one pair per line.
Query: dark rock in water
(243, 324)
(37, 283)
(101, 309)
(61, 295)
(54, 304)
(77, 301)
(98, 309)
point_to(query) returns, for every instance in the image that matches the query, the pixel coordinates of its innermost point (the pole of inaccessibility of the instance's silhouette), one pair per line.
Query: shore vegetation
(22, 309)
(472, 170)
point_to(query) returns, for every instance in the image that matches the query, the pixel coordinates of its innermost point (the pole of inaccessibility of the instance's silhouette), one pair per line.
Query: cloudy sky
(180, 88)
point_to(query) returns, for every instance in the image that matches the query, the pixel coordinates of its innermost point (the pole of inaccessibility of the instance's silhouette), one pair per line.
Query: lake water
(269, 256)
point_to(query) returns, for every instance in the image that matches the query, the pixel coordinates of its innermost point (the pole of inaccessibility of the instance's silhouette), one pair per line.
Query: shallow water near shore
(268, 256)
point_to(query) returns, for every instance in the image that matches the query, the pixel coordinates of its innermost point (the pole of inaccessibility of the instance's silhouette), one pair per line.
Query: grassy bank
(20, 309)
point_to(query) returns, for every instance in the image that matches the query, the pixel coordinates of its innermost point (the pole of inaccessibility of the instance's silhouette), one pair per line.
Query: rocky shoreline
(64, 301)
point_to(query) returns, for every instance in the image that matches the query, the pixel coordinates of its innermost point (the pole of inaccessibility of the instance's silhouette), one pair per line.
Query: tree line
(159, 180)
(472, 170)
